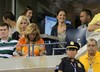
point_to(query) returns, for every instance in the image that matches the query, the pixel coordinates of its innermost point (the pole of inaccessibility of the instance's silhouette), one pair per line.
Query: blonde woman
(31, 36)
(22, 23)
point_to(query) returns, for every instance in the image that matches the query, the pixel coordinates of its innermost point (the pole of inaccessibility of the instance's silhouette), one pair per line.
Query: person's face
(23, 24)
(91, 47)
(4, 32)
(32, 36)
(61, 16)
(84, 18)
(71, 53)
(29, 14)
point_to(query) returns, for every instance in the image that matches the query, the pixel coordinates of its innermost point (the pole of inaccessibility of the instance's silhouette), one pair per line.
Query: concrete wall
(30, 64)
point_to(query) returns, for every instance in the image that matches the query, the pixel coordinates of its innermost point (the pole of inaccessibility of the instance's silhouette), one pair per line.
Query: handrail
(39, 44)
(57, 49)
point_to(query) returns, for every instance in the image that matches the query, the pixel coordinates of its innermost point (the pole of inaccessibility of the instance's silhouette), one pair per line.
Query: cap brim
(72, 47)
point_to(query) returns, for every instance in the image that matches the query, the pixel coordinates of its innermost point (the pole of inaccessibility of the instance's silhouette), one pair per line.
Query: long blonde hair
(19, 23)
(32, 28)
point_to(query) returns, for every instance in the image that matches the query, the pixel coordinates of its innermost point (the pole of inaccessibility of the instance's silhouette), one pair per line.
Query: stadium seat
(77, 34)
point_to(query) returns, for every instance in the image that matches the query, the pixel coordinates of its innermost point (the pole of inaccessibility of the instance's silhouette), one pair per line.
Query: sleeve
(20, 41)
(94, 20)
(83, 67)
(54, 31)
(42, 47)
(40, 41)
(61, 65)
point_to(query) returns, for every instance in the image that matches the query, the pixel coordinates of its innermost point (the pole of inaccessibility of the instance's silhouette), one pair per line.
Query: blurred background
(44, 8)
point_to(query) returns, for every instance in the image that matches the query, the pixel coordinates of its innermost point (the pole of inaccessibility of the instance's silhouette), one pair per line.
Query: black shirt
(67, 65)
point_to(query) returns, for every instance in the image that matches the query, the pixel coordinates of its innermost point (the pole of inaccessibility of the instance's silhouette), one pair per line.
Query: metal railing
(54, 49)
(42, 44)
(14, 45)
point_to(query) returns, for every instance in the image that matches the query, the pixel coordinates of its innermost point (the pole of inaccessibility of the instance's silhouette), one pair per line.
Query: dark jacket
(54, 32)
(67, 65)
(15, 35)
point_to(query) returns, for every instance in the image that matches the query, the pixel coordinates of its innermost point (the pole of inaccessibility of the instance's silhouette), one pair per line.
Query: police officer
(69, 63)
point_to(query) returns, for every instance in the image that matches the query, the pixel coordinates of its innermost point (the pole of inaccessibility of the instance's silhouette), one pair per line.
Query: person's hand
(42, 53)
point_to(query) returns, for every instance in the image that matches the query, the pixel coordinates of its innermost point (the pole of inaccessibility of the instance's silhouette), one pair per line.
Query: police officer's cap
(73, 45)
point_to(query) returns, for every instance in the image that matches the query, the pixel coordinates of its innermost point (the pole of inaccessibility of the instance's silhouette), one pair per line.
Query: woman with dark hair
(28, 12)
(61, 27)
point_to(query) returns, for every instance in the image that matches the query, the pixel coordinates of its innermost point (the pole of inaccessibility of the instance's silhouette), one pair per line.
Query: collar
(69, 59)
(96, 55)
(9, 39)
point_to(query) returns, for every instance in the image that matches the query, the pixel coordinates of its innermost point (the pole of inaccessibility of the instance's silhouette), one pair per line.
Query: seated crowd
(23, 38)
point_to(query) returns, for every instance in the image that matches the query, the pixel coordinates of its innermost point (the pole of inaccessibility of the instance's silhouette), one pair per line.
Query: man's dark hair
(4, 24)
(9, 15)
(88, 12)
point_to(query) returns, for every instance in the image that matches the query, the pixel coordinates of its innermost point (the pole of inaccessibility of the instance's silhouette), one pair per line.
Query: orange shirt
(37, 48)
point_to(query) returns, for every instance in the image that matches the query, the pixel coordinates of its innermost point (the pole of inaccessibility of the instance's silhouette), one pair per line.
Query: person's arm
(93, 27)
(41, 47)
(20, 41)
(60, 71)
(95, 23)
(18, 50)
(61, 65)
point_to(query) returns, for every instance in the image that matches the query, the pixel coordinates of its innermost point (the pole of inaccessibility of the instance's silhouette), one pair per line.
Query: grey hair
(92, 39)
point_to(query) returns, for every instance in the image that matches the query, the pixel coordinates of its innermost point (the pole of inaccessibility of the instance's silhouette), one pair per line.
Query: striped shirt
(7, 49)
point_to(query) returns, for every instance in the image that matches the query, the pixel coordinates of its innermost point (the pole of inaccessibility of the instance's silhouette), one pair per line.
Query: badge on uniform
(79, 65)
(90, 70)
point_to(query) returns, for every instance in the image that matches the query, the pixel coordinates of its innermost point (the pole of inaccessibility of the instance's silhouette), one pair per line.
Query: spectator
(32, 36)
(91, 60)
(69, 63)
(85, 18)
(28, 12)
(6, 50)
(60, 28)
(9, 18)
(22, 23)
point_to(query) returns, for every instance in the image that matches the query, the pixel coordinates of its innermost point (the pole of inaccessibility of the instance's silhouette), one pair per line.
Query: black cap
(73, 45)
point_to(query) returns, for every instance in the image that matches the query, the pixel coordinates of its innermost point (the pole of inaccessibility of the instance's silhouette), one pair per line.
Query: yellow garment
(95, 20)
(86, 62)
(36, 47)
